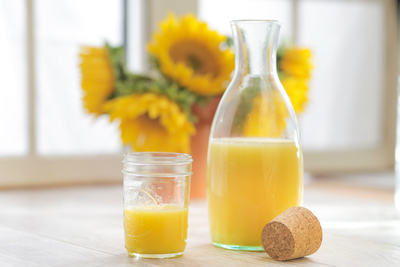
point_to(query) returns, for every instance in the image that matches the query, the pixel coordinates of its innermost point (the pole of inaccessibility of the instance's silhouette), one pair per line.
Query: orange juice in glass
(156, 203)
(150, 230)
(250, 182)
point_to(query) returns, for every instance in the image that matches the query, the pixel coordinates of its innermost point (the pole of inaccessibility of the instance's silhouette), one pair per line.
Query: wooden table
(82, 226)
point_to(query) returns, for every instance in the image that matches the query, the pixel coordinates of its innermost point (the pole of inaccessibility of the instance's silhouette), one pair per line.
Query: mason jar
(156, 203)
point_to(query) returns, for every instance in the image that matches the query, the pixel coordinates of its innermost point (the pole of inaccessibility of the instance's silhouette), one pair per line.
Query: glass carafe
(255, 162)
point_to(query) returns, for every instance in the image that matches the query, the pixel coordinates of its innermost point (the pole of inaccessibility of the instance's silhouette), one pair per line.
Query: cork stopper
(293, 234)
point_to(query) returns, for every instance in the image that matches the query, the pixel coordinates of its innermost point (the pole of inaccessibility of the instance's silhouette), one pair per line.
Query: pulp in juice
(156, 231)
(250, 182)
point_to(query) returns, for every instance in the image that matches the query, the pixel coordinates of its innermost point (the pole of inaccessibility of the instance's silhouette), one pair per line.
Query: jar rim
(157, 157)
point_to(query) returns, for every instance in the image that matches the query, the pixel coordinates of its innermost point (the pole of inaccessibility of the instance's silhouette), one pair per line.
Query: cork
(293, 234)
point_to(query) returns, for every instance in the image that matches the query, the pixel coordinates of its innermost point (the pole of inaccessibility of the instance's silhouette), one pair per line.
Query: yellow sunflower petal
(266, 117)
(151, 122)
(296, 62)
(97, 79)
(297, 90)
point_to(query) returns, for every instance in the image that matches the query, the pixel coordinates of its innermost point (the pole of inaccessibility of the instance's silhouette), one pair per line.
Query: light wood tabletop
(82, 226)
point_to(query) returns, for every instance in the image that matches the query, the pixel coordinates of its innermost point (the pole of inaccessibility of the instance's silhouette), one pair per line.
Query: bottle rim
(256, 21)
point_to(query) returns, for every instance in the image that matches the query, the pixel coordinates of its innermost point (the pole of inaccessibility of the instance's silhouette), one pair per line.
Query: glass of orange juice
(156, 203)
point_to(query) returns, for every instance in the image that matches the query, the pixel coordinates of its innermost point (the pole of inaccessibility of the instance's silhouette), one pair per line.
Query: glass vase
(255, 164)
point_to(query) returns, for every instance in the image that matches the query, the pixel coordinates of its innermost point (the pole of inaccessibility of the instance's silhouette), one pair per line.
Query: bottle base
(155, 256)
(235, 247)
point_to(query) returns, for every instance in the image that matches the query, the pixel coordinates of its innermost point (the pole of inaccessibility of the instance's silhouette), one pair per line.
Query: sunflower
(97, 78)
(189, 53)
(151, 122)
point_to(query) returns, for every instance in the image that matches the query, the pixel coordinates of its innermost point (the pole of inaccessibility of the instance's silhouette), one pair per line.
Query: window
(47, 138)
(44, 127)
(61, 27)
(13, 92)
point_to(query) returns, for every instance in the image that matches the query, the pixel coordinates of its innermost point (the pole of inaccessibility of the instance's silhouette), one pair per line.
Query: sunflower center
(195, 56)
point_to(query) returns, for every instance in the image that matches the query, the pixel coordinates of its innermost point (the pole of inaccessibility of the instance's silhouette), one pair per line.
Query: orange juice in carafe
(250, 182)
(255, 168)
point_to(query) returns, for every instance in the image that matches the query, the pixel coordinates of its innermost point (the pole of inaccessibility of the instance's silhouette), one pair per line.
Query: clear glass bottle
(255, 162)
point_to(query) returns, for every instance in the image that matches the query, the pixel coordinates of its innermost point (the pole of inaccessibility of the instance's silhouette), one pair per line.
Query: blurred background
(47, 138)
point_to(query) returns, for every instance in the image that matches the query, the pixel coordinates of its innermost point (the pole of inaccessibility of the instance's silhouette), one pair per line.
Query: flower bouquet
(192, 67)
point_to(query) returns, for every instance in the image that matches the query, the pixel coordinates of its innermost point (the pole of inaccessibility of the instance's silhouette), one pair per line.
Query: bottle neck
(255, 46)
